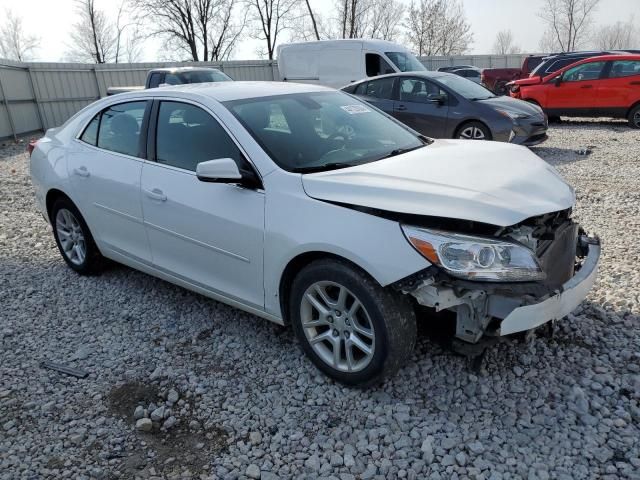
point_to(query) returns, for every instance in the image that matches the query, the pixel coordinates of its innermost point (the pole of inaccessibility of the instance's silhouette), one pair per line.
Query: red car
(605, 86)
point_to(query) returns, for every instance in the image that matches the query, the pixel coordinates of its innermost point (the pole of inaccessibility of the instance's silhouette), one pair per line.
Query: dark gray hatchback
(444, 105)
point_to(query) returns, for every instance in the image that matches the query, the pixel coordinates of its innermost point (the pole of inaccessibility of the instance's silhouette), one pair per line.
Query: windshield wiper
(400, 151)
(321, 168)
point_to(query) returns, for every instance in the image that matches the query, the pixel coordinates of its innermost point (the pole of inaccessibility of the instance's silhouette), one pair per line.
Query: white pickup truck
(159, 77)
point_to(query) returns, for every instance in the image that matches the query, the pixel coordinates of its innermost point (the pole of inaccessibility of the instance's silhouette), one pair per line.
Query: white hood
(489, 182)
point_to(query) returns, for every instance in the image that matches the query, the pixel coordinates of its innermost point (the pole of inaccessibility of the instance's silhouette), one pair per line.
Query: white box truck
(336, 63)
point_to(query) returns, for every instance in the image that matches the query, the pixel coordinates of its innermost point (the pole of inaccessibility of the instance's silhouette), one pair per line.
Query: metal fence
(36, 96)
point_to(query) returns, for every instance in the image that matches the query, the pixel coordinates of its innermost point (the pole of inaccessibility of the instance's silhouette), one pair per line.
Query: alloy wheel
(71, 236)
(337, 326)
(636, 118)
(472, 133)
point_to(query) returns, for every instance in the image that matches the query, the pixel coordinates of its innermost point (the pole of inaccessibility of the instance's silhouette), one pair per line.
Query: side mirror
(221, 170)
(557, 81)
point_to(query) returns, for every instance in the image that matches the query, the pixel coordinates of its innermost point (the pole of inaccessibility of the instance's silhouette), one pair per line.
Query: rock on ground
(561, 407)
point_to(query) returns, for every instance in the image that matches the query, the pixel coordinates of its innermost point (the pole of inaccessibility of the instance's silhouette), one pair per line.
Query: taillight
(31, 145)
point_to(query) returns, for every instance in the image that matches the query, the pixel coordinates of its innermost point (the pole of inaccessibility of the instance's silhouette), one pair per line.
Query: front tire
(351, 328)
(74, 240)
(473, 131)
(634, 117)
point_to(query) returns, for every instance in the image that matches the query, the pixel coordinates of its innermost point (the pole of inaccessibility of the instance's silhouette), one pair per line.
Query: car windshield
(464, 87)
(204, 76)
(316, 131)
(405, 61)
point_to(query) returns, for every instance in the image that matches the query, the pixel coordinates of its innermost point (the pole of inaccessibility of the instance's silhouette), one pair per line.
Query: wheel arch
(53, 195)
(295, 266)
(631, 108)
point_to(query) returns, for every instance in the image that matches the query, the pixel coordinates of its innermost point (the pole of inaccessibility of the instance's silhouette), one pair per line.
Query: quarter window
(90, 134)
(584, 72)
(119, 129)
(187, 135)
(625, 68)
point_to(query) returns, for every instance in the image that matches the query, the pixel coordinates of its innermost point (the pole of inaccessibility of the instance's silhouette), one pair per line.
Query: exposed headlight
(512, 115)
(475, 258)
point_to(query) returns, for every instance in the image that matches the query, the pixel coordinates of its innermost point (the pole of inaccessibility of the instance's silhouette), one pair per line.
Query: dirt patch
(124, 399)
(166, 452)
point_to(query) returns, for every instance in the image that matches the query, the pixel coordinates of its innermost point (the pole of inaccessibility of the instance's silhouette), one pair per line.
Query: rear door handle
(586, 86)
(156, 194)
(634, 83)
(82, 171)
(401, 108)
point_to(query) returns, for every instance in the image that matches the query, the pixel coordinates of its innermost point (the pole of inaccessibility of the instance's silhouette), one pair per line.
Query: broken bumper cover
(574, 291)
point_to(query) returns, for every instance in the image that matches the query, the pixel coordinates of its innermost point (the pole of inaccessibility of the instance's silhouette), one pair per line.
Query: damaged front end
(510, 280)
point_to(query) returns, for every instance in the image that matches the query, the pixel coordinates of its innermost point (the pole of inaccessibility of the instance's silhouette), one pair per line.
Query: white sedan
(306, 206)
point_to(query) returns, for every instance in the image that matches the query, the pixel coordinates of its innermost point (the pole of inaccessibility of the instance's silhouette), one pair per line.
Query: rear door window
(382, 88)
(625, 68)
(119, 129)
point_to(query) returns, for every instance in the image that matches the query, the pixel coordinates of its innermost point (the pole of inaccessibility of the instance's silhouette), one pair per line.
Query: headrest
(256, 115)
(124, 124)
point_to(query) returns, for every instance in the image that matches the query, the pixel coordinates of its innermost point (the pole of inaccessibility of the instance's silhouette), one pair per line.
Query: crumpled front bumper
(574, 291)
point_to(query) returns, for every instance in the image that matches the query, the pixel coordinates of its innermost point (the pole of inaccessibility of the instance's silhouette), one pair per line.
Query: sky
(51, 20)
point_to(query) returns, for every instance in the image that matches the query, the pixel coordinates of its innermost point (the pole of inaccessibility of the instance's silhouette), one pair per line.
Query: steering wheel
(345, 132)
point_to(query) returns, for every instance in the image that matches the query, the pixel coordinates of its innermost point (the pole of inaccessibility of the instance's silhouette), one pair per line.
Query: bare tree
(273, 18)
(310, 25)
(206, 30)
(504, 44)
(15, 44)
(567, 23)
(438, 27)
(313, 20)
(128, 38)
(93, 37)
(385, 18)
(353, 17)
(618, 36)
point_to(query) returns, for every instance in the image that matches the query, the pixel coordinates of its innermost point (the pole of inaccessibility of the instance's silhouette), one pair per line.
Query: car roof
(605, 58)
(181, 69)
(601, 58)
(372, 42)
(417, 73)
(226, 91)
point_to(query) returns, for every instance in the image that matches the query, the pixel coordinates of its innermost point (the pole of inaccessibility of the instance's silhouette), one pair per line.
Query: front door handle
(82, 171)
(634, 83)
(156, 194)
(401, 108)
(586, 86)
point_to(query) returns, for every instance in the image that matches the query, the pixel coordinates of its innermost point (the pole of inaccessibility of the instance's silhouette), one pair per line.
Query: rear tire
(351, 328)
(634, 117)
(473, 131)
(74, 239)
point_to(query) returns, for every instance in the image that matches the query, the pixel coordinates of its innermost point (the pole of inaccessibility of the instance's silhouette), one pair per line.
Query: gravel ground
(226, 404)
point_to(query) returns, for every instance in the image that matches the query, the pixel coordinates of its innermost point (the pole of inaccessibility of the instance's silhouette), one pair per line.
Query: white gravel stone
(144, 425)
(560, 407)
